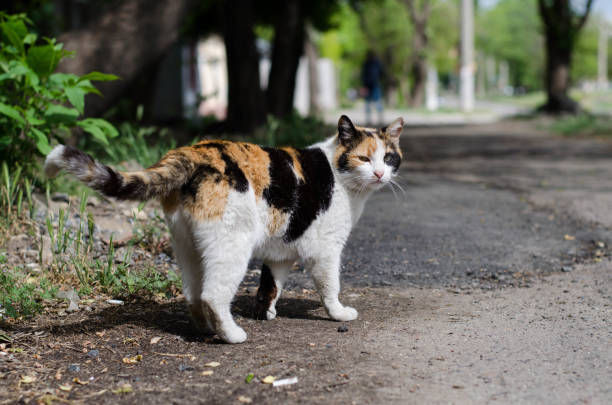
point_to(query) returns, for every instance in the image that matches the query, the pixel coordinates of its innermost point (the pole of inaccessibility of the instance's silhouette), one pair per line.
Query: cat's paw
(271, 313)
(233, 335)
(344, 314)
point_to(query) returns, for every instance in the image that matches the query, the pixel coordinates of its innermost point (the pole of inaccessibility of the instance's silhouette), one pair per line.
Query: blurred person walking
(372, 73)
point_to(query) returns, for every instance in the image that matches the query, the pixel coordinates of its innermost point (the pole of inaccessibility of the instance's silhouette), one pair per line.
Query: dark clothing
(371, 73)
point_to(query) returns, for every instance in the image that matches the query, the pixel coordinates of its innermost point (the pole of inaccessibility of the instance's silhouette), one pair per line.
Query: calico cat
(226, 202)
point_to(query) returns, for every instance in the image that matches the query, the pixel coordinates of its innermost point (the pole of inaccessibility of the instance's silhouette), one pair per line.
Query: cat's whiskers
(393, 182)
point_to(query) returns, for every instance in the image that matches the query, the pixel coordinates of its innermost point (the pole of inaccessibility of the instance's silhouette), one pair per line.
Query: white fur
(54, 162)
(213, 256)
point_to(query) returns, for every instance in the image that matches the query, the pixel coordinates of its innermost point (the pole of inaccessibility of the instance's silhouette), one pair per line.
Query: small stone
(93, 353)
(72, 307)
(184, 367)
(60, 197)
(69, 295)
(74, 368)
(114, 302)
(566, 269)
(33, 267)
(343, 328)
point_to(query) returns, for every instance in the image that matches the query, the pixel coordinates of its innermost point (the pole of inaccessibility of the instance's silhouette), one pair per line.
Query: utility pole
(466, 85)
(602, 57)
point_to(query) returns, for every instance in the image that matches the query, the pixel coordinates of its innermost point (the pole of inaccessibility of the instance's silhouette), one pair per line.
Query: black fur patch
(393, 159)
(304, 200)
(235, 175)
(281, 193)
(343, 163)
(314, 194)
(190, 189)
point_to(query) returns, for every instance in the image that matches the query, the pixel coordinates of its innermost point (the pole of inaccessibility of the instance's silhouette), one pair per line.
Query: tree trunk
(418, 64)
(558, 64)
(244, 108)
(561, 26)
(286, 52)
(123, 41)
(313, 75)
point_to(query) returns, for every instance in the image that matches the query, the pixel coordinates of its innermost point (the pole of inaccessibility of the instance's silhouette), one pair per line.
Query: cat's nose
(379, 173)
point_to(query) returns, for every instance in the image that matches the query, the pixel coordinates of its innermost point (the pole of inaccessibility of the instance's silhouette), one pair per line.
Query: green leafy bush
(37, 105)
(294, 130)
(22, 297)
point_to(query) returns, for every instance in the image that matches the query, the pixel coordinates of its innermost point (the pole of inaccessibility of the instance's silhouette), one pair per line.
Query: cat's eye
(387, 158)
(364, 158)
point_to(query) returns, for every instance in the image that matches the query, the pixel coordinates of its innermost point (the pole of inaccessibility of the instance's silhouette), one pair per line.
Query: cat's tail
(158, 180)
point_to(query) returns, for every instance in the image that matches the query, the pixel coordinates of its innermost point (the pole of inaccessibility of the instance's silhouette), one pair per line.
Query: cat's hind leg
(273, 277)
(225, 256)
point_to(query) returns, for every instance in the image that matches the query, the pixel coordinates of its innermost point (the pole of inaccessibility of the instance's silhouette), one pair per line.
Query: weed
(20, 297)
(583, 124)
(294, 131)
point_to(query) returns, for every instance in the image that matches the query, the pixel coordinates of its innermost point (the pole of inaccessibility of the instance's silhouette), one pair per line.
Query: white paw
(344, 314)
(271, 313)
(233, 335)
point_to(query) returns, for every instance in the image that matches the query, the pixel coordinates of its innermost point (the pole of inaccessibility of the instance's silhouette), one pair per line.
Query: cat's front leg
(326, 275)
(273, 277)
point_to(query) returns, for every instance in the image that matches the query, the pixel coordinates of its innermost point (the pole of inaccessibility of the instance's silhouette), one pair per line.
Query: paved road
(482, 206)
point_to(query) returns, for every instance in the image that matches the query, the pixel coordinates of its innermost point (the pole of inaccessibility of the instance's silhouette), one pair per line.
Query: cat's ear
(394, 130)
(346, 130)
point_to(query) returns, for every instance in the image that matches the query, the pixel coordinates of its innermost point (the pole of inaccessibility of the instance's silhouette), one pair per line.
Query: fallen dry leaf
(27, 379)
(569, 237)
(155, 340)
(213, 364)
(207, 372)
(269, 380)
(123, 389)
(76, 380)
(244, 399)
(101, 333)
(66, 387)
(163, 361)
(133, 359)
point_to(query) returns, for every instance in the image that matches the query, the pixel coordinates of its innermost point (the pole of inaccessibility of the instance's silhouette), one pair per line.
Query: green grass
(583, 124)
(21, 296)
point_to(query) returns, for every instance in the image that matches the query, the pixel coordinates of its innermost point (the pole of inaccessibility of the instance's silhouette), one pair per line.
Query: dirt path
(490, 282)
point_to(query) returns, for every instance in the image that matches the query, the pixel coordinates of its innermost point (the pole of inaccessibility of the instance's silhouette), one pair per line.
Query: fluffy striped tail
(157, 181)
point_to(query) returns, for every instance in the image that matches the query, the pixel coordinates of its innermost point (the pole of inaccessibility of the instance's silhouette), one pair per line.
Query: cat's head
(367, 158)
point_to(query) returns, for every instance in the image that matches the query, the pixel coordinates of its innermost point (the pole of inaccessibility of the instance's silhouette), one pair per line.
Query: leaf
(60, 114)
(11, 113)
(244, 399)
(43, 59)
(66, 387)
(95, 131)
(123, 389)
(249, 378)
(207, 372)
(15, 30)
(27, 379)
(155, 340)
(268, 380)
(30, 39)
(97, 76)
(76, 96)
(133, 359)
(80, 382)
(212, 364)
(569, 237)
(42, 143)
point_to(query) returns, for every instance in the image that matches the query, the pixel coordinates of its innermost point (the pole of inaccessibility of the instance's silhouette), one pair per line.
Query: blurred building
(192, 81)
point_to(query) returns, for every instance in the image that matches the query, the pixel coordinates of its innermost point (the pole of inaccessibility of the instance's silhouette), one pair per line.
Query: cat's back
(291, 185)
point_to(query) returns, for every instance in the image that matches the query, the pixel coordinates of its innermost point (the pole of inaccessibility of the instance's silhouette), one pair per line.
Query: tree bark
(123, 41)
(245, 108)
(310, 50)
(287, 49)
(418, 64)
(561, 26)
